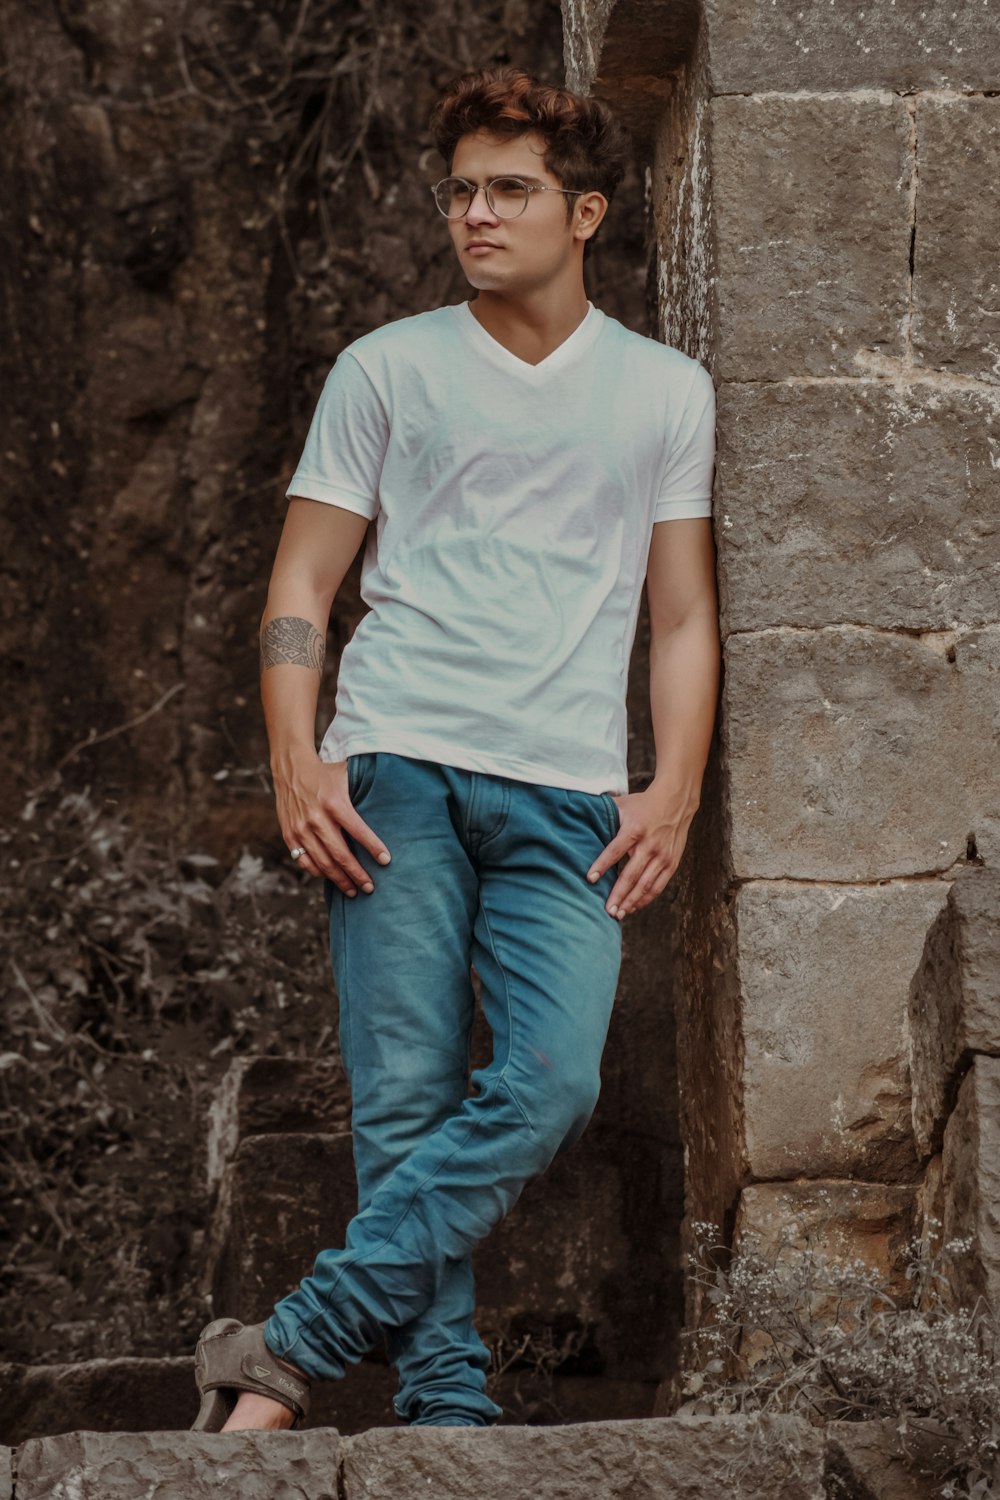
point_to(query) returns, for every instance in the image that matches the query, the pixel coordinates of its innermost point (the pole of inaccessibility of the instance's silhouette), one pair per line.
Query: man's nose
(479, 210)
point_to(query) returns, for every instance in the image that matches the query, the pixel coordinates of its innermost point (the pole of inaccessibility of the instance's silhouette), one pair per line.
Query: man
(527, 462)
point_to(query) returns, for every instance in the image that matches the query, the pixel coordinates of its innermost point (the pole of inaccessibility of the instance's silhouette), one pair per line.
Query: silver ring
(296, 853)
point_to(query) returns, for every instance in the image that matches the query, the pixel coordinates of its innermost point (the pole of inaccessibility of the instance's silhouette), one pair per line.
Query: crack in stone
(940, 640)
(882, 95)
(948, 874)
(887, 369)
(911, 109)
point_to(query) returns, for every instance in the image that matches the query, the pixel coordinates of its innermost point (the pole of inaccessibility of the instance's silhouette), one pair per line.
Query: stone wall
(820, 184)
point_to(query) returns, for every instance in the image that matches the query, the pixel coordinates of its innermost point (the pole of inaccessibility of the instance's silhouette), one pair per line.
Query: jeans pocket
(614, 814)
(360, 775)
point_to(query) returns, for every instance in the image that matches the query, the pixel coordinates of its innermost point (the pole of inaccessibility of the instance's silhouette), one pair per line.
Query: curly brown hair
(586, 147)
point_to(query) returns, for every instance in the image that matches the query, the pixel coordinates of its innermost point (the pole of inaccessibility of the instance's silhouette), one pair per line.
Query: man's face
(512, 255)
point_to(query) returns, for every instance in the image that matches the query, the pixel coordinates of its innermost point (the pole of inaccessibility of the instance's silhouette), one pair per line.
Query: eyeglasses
(507, 196)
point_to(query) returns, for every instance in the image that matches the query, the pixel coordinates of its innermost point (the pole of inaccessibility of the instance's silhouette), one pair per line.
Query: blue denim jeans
(487, 871)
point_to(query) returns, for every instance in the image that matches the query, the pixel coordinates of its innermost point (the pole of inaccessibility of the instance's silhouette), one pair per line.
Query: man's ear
(590, 210)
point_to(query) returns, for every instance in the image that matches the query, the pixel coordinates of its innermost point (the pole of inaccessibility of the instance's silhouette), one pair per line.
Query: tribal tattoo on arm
(292, 641)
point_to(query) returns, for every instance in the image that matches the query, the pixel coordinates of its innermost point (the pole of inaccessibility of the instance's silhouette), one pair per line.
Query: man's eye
(508, 187)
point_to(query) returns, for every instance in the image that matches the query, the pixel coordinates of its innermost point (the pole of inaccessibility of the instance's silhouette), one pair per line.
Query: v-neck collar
(563, 354)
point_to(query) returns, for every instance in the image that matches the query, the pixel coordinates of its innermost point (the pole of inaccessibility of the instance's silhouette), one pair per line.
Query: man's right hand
(315, 810)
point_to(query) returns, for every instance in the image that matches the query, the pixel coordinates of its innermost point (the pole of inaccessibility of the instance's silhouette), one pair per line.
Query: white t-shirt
(514, 506)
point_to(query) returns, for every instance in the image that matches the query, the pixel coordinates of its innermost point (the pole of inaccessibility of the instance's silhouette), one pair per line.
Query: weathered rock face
(881, 508)
(96, 1395)
(167, 1465)
(660, 1460)
(954, 999)
(808, 277)
(826, 1072)
(956, 317)
(283, 1198)
(756, 47)
(971, 1182)
(843, 745)
(868, 1458)
(838, 1218)
(101, 1395)
(695, 1458)
(275, 1096)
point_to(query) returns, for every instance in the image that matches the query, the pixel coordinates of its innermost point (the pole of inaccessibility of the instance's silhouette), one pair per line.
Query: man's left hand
(653, 832)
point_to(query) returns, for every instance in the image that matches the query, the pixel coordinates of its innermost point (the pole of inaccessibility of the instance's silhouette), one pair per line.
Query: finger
(325, 853)
(621, 891)
(330, 823)
(360, 831)
(609, 855)
(649, 885)
(309, 865)
(342, 865)
(313, 865)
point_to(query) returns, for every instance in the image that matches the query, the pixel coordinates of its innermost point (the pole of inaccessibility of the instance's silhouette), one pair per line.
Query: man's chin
(484, 282)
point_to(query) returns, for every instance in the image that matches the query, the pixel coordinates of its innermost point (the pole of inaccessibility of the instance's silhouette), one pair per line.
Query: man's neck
(531, 328)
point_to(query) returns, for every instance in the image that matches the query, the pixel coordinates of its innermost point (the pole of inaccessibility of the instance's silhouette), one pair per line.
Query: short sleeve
(686, 487)
(341, 462)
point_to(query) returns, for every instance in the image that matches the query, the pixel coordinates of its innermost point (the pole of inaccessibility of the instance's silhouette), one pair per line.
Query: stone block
(863, 502)
(673, 1458)
(532, 1397)
(529, 1393)
(283, 1198)
(956, 281)
(626, 53)
(971, 1171)
(809, 276)
(869, 1458)
(159, 1395)
(954, 998)
(855, 754)
(362, 1399)
(171, 1465)
(553, 1268)
(6, 1474)
(275, 1096)
(824, 972)
(100, 1395)
(754, 45)
(680, 184)
(843, 1221)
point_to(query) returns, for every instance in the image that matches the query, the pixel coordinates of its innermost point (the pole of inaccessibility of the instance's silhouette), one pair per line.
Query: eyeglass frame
(484, 187)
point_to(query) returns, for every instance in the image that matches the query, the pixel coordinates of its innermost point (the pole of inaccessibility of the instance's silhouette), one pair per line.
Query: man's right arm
(318, 544)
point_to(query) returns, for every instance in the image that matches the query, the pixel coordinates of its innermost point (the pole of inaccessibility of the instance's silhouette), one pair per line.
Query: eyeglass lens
(506, 196)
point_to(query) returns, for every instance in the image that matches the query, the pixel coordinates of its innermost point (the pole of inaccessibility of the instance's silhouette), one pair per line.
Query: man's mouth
(481, 245)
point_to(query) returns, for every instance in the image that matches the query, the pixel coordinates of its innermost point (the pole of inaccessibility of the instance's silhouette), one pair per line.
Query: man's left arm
(684, 671)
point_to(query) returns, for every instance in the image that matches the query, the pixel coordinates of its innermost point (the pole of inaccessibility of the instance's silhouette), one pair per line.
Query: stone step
(685, 1457)
(262, 1095)
(580, 1262)
(661, 1460)
(550, 1270)
(145, 1395)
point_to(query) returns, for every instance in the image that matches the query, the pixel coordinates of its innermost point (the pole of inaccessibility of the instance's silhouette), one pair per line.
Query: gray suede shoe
(231, 1357)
